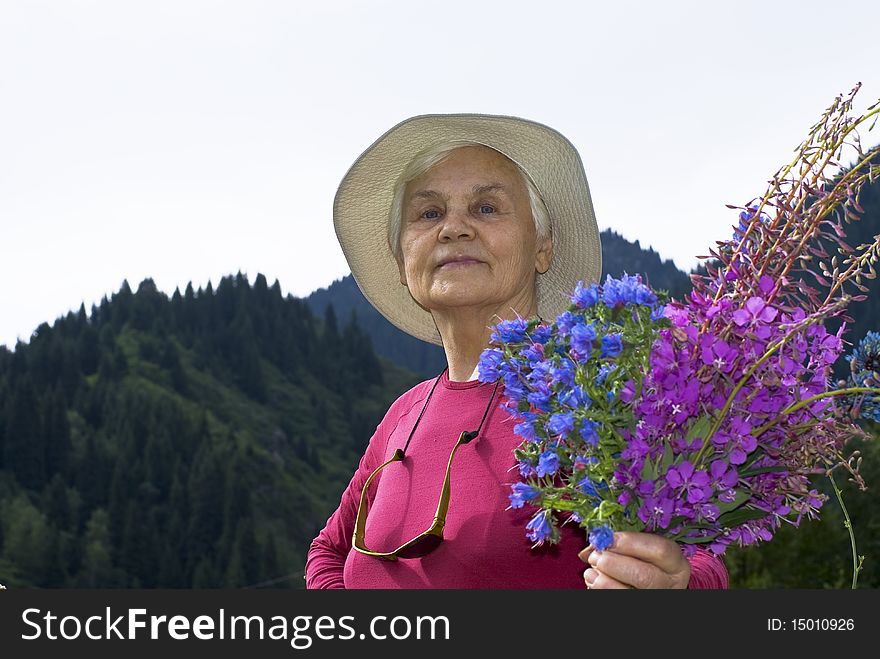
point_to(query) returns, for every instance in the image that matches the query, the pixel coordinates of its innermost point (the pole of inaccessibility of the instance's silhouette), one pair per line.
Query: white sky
(185, 140)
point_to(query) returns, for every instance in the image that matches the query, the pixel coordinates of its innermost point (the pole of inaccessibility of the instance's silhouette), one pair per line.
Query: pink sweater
(484, 545)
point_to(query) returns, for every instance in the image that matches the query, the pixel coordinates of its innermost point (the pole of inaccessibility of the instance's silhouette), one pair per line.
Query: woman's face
(473, 205)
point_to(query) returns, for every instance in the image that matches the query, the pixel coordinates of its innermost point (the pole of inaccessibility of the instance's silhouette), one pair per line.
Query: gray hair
(429, 157)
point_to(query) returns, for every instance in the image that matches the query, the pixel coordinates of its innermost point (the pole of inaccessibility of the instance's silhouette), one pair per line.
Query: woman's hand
(637, 560)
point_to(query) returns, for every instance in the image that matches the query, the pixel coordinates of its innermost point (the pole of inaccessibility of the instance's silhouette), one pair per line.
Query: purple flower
(722, 474)
(601, 537)
(754, 311)
(707, 511)
(656, 512)
(694, 483)
(743, 441)
(521, 492)
(548, 463)
(718, 353)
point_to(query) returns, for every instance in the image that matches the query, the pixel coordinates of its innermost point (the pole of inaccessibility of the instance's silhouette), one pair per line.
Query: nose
(456, 225)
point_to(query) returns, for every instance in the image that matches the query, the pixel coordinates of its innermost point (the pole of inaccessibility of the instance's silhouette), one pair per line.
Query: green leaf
(699, 428)
(762, 470)
(666, 461)
(741, 497)
(696, 541)
(741, 516)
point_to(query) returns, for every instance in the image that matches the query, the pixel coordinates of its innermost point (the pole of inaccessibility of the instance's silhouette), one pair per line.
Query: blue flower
(658, 312)
(576, 397)
(539, 529)
(522, 492)
(585, 296)
(612, 345)
(601, 537)
(513, 386)
(510, 331)
(490, 360)
(533, 353)
(540, 398)
(561, 423)
(526, 468)
(745, 219)
(564, 372)
(566, 320)
(589, 432)
(629, 289)
(541, 334)
(582, 461)
(548, 463)
(604, 370)
(864, 364)
(582, 337)
(526, 429)
(587, 486)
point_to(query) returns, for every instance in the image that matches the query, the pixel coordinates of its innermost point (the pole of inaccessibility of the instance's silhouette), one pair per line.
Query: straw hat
(363, 202)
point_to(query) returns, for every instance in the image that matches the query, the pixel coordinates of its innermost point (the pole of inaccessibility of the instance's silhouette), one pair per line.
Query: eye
(484, 207)
(427, 214)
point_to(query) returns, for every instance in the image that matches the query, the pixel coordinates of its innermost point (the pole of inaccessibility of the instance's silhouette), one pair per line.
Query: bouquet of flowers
(703, 419)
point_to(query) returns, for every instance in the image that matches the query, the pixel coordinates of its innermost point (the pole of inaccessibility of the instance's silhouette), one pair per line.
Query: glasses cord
(469, 435)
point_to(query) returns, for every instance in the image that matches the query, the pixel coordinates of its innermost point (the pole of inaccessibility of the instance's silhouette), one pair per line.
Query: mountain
(193, 441)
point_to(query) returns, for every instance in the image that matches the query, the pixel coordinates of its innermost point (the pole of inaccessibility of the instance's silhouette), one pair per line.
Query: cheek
(519, 257)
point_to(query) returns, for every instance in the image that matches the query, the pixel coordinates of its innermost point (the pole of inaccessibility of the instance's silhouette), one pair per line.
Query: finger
(584, 554)
(648, 547)
(596, 580)
(628, 570)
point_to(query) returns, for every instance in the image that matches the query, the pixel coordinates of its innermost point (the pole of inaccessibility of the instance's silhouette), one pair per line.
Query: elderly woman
(451, 223)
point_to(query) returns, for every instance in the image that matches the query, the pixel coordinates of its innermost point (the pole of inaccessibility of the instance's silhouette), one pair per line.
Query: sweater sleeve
(328, 551)
(707, 571)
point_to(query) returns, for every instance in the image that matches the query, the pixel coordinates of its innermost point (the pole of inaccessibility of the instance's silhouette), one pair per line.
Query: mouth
(459, 264)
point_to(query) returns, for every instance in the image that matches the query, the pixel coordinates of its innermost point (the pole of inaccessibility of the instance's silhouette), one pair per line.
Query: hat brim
(363, 201)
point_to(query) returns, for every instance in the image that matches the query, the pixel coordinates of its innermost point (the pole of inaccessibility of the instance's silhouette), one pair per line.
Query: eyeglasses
(429, 540)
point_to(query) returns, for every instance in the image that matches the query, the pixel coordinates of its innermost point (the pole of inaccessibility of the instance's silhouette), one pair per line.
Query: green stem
(852, 537)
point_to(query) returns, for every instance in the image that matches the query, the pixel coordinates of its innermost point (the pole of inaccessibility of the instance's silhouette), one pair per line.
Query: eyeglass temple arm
(361, 522)
(443, 506)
